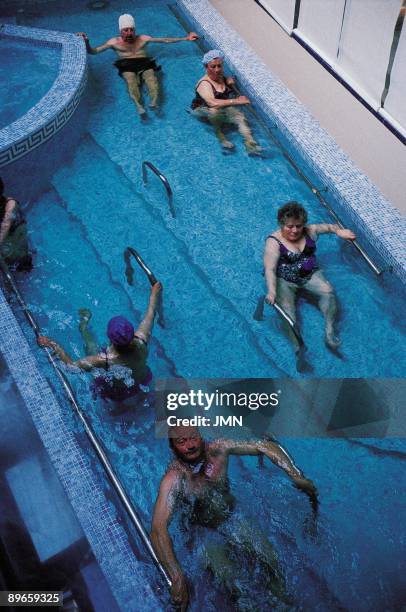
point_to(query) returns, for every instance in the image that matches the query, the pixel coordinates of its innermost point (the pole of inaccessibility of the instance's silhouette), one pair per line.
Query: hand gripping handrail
(151, 277)
(118, 487)
(259, 313)
(316, 192)
(147, 164)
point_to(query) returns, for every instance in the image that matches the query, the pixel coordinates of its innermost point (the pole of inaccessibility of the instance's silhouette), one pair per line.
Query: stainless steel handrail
(147, 164)
(259, 313)
(91, 435)
(316, 192)
(151, 277)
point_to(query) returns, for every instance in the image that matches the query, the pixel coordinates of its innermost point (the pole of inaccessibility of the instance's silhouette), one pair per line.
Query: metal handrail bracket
(151, 277)
(259, 313)
(163, 179)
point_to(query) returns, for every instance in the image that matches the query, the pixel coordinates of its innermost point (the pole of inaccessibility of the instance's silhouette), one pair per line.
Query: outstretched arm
(86, 363)
(277, 456)
(191, 36)
(161, 539)
(145, 327)
(9, 214)
(109, 44)
(271, 257)
(330, 228)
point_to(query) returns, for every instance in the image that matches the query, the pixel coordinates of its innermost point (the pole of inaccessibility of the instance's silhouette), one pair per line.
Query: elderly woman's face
(292, 229)
(215, 68)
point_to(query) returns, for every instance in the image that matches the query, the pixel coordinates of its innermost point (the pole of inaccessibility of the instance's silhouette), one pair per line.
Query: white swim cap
(126, 21)
(211, 55)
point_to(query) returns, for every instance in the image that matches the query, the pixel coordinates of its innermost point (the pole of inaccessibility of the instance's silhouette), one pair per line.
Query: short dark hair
(291, 210)
(1, 187)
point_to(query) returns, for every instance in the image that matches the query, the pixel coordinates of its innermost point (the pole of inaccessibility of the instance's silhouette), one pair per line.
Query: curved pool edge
(85, 489)
(359, 200)
(57, 107)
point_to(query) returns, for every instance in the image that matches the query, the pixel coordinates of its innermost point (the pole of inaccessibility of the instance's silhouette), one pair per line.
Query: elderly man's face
(215, 68)
(128, 34)
(187, 443)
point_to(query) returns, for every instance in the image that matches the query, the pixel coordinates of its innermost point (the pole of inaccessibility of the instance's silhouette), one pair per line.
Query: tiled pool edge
(56, 108)
(102, 528)
(358, 198)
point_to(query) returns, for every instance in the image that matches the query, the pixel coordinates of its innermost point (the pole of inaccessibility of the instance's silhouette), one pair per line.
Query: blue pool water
(210, 260)
(210, 257)
(26, 74)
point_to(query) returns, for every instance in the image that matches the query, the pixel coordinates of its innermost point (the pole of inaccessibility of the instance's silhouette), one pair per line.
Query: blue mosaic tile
(56, 108)
(357, 198)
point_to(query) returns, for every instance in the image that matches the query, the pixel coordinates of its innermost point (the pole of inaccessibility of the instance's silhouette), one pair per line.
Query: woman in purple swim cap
(124, 361)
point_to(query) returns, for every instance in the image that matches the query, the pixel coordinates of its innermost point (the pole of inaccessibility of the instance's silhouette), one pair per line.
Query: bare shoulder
(171, 479)
(113, 42)
(272, 245)
(204, 82)
(144, 37)
(312, 230)
(11, 204)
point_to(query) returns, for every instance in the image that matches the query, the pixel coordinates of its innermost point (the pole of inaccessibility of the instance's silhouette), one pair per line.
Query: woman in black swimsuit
(215, 101)
(13, 234)
(290, 264)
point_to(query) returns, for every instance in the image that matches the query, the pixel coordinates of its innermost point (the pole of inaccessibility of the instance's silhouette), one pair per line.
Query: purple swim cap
(120, 331)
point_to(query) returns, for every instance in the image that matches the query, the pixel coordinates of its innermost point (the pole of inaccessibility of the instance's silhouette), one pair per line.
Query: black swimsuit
(138, 65)
(198, 101)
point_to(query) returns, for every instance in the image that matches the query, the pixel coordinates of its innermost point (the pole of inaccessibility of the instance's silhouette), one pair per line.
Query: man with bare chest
(134, 65)
(198, 476)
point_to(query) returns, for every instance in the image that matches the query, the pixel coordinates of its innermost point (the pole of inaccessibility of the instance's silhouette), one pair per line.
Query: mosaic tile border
(359, 199)
(55, 109)
(84, 488)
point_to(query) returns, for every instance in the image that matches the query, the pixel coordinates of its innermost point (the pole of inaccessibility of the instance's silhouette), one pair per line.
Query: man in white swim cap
(133, 64)
(215, 100)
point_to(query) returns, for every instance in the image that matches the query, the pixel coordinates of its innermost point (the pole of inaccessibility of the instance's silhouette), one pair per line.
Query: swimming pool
(27, 73)
(209, 259)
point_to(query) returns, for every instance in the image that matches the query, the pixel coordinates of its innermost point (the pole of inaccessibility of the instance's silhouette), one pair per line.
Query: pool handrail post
(259, 313)
(316, 191)
(89, 432)
(163, 179)
(150, 275)
(291, 323)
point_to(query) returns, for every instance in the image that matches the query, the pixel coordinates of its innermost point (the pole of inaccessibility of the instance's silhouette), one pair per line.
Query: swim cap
(126, 21)
(120, 331)
(211, 55)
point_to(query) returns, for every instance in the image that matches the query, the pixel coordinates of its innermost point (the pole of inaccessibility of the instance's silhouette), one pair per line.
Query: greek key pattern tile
(55, 109)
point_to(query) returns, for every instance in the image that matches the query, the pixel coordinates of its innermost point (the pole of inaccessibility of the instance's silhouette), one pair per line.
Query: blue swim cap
(120, 331)
(211, 55)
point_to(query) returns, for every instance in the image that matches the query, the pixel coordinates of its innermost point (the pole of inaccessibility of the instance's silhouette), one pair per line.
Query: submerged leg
(152, 85)
(238, 118)
(216, 118)
(286, 298)
(134, 90)
(218, 561)
(321, 288)
(89, 340)
(255, 544)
